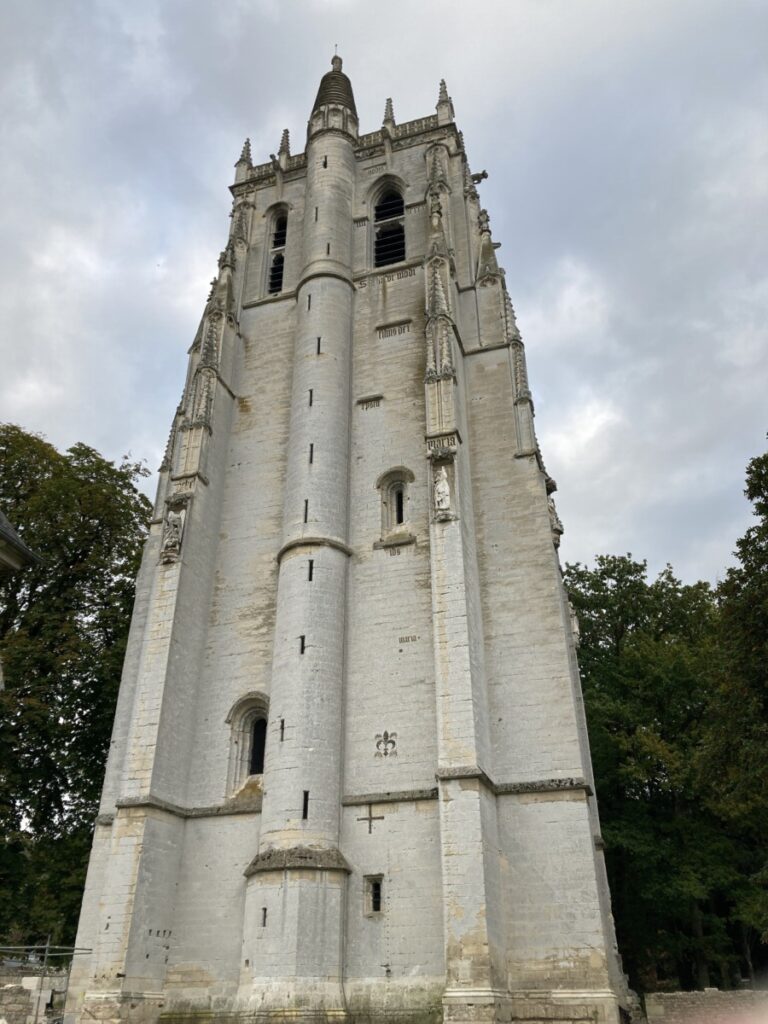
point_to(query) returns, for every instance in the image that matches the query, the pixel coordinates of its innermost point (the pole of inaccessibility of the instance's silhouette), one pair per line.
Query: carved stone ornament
(442, 495)
(386, 744)
(554, 519)
(575, 630)
(173, 527)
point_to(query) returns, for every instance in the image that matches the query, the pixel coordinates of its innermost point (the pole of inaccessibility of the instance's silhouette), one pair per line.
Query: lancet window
(393, 487)
(278, 237)
(389, 228)
(248, 721)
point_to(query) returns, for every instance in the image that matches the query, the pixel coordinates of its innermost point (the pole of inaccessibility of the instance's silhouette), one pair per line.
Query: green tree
(680, 873)
(63, 629)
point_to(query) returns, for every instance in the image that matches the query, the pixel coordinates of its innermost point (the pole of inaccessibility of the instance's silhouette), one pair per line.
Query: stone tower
(349, 776)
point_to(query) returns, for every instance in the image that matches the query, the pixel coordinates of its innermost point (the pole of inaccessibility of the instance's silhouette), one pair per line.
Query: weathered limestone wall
(434, 717)
(708, 1007)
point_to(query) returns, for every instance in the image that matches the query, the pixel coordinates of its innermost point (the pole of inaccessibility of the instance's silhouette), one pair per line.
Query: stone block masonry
(353, 564)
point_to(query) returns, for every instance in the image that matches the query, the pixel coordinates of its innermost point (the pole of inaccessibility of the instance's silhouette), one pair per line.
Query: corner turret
(334, 107)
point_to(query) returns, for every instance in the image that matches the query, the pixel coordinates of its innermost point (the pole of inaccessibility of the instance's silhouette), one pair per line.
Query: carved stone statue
(575, 629)
(435, 208)
(442, 491)
(484, 221)
(557, 527)
(173, 527)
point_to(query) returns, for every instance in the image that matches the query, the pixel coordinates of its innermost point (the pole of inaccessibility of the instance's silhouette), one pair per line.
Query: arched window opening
(389, 219)
(395, 498)
(258, 741)
(248, 720)
(281, 230)
(276, 274)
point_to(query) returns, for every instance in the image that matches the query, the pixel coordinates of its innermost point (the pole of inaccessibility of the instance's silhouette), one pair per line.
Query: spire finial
(444, 106)
(245, 156)
(285, 143)
(389, 113)
(336, 62)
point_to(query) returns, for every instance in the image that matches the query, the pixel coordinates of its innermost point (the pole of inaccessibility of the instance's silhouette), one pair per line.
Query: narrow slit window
(309, 302)
(328, 249)
(325, 161)
(311, 453)
(263, 917)
(276, 274)
(315, 214)
(311, 395)
(282, 729)
(306, 510)
(374, 894)
(302, 643)
(399, 506)
(310, 569)
(305, 806)
(318, 346)
(258, 742)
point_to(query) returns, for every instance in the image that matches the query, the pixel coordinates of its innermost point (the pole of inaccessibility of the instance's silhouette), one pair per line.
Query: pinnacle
(389, 114)
(438, 303)
(285, 143)
(443, 95)
(245, 156)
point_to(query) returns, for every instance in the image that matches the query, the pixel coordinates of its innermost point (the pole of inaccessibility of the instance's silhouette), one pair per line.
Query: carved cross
(371, 817)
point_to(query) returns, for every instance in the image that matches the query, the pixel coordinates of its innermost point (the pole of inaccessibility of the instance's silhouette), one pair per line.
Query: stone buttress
(349, 776)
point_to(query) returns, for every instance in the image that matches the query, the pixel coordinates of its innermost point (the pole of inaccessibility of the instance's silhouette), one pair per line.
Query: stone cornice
(301, 542)
(300, 858)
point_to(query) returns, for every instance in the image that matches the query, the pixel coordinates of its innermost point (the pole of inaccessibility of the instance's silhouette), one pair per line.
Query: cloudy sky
(626, 143)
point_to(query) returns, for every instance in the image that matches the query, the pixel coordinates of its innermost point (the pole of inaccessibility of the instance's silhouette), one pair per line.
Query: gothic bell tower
(349, 775)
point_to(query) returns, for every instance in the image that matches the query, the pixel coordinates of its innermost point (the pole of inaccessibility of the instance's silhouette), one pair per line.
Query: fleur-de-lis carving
(386, 744)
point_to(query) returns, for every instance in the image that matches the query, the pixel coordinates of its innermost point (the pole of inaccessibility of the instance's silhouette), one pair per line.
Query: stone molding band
(301, 542)
(572, 784)
(158, 804)
(301, 857)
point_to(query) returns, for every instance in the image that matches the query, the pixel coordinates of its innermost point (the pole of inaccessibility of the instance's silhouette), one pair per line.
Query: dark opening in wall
(311, 569)
(302, 643)
(258, 742)
(276, 274)
(311, 453)
(389, 246)
(373, 894)
(281, 231)
(390, 205)
(263, 917)
(306, 509)
(282, 729)
(305, 805)
(318, 346)
(311, 395)
(399, 506)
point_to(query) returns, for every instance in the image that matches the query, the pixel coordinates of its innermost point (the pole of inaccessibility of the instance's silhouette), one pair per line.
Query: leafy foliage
(63, 630)
(674, 683)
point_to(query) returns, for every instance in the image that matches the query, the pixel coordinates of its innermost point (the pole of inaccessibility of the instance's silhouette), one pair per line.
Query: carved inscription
(394, 552)
(444, 441)
(375, 169)
(372, 403)
(386, 278)
(393, 330)
(407, 639)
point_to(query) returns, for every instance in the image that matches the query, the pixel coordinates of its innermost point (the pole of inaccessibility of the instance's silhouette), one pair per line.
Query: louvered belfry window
(389, 219)
(277, 254)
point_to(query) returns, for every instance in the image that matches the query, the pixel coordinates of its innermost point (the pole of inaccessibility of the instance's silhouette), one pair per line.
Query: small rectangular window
(302, 643)
(311, 453)
(305, 805)
(306, 510)
(310, 569)
(282, 729)
(325, 161)
(374, 894)
(309, 303)
(311, 395)
(263, 917)
(318, 346)
(328, 249)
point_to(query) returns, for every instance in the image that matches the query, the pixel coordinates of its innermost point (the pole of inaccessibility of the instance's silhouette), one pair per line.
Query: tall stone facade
(349, 776)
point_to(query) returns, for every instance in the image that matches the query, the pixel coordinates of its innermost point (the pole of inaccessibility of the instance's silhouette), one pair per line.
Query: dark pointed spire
(285, 143)
(335, 87)
(444, 106)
